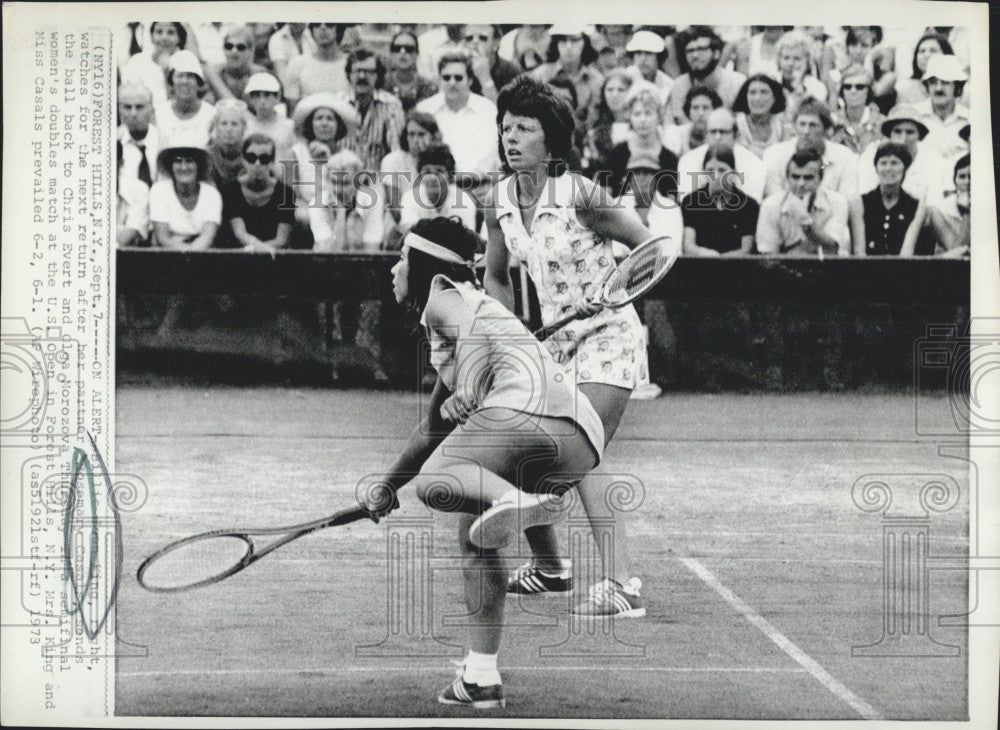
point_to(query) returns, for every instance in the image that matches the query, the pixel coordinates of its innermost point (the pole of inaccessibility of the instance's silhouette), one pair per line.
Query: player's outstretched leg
(478, 684)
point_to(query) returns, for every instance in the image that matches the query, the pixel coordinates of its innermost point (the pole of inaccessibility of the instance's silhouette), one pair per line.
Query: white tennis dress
(523, 376)
(567, 262)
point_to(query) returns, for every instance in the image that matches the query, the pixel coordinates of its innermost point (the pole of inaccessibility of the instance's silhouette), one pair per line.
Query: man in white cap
(645, 49)
(721, 125)
(187, 114)
(927, 176)
(944, 80)
(267, 115)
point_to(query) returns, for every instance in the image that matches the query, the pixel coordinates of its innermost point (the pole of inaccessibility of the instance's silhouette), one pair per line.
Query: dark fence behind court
(751, 323)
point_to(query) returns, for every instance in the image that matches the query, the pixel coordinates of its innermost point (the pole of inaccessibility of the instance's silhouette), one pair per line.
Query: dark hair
(588, 55)
(814, 107)
(425, 120)
(423, 267)
(459, 56)
(339, 29)
(165, 163)
(437, 154)
(416, 41)
(561, 82)
(943, 44)
(257, 138)
(701, 31)
(307, 126)
(893, 149)
(696, 91)
(963, 161)
(495, 28)
(856, 70)
(182, 33)
(522, 59)
(363, 54)
(202, 84)
(720, 152)
(852, 35)
(740, 104)
(527, 97)
(805, 156)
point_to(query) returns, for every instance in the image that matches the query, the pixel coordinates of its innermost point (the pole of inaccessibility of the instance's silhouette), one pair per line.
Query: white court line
(783, 642)
(338, 670)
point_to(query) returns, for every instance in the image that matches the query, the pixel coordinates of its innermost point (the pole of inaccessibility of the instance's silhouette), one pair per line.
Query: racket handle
(543, 333)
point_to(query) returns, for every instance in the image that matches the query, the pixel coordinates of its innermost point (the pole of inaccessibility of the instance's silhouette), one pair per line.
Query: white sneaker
(513, 513)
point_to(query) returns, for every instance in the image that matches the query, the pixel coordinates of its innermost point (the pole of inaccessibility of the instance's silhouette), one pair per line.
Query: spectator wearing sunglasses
(322, 70)
(467, 121)
(857, 122)
(491, 72)
(402, 78)
(380, 114)
(229, 80)
(267, 114)
(252, 206)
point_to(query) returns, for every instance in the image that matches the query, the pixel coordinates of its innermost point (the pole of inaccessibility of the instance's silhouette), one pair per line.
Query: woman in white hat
(321, 121)
(184, 210)
(187, 114)
(572, 55)
(267, 116)
(229, 80)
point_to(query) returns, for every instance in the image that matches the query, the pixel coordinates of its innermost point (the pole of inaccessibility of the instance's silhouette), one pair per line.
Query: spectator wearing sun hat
(184, 210)
(321, 122)
(572, 55)
(267, 114)
(927, 175)
(187, 114)
(646, 48)
(945, 81)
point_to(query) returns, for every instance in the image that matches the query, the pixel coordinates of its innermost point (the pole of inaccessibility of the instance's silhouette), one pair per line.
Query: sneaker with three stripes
(611, 598)
(529, 579)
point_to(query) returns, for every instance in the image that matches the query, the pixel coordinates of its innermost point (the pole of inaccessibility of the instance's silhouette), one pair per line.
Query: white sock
(563, 572)
(481, 669)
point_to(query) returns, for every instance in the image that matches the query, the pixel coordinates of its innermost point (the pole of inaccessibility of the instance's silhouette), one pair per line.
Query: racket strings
(637, 273)
(199, 561)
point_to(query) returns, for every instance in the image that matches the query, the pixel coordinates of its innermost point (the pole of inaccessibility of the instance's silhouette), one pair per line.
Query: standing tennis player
(502, 413)
(561, 226)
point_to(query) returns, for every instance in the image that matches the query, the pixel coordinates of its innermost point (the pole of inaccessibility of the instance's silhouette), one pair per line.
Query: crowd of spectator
(774, 140)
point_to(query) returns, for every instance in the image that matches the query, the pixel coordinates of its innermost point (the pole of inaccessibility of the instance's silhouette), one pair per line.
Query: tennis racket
(209, 557)
(638, 272)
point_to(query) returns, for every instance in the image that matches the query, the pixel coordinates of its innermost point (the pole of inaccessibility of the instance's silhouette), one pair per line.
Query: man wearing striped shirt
(381, 113)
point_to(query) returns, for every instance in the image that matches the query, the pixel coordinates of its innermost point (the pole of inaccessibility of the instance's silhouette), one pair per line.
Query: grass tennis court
(760, 572)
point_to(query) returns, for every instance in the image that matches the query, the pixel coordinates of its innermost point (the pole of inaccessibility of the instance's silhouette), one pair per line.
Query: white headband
(415, 240)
